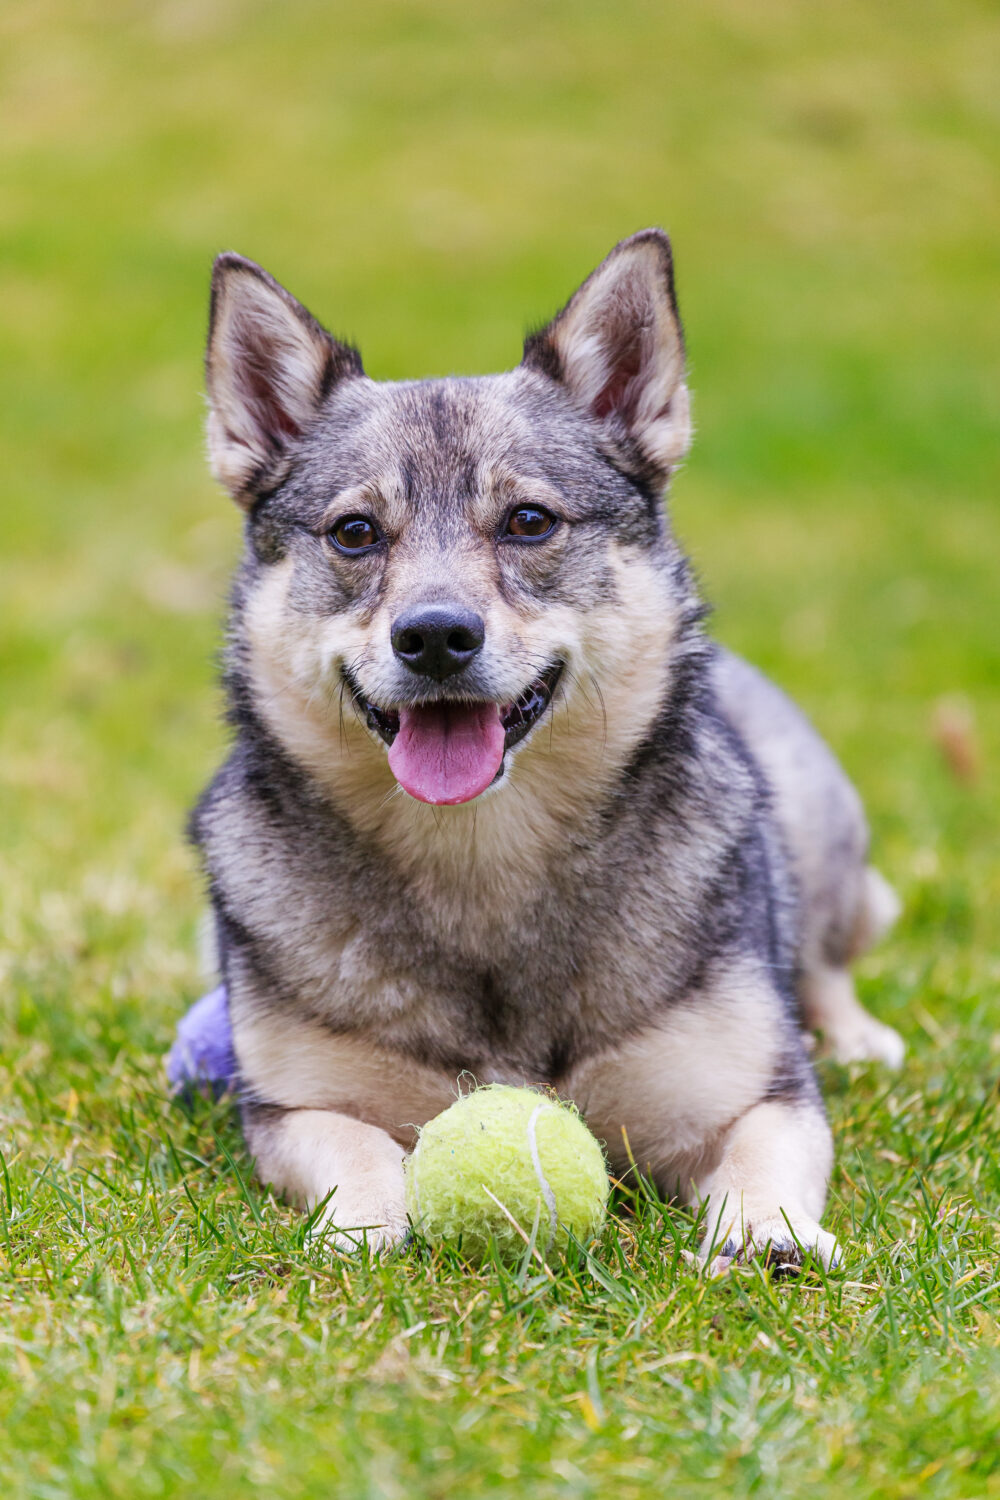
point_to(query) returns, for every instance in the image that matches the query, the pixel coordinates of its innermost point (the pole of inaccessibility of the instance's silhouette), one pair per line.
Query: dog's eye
(531, 521)
(354, 534)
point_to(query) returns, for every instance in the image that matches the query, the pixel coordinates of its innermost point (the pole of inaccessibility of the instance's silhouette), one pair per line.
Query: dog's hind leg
(829, 1003)
(765, 1188)
(850, 1033)
(309, 1154)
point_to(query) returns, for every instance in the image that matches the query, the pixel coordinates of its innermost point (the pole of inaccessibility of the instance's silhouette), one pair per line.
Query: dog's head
(436, 568)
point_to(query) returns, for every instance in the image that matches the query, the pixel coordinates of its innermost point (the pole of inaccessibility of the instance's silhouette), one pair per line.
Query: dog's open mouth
(449, 751)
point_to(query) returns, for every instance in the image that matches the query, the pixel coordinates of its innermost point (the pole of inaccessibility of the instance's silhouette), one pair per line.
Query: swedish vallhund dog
(496, 805)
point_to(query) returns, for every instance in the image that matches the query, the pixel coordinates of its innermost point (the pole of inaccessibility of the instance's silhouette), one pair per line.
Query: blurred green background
(431, 179)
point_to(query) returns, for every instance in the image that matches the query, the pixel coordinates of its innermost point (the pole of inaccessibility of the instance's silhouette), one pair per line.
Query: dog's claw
(783, 1253)
(381, 1238)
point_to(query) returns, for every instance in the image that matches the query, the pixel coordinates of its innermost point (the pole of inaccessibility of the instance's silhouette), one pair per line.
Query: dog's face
(438, 568)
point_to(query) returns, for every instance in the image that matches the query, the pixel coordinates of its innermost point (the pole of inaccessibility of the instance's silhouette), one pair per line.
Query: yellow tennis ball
(497, 1160)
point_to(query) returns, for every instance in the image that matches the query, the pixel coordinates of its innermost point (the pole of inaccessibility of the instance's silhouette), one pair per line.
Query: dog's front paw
(863, 1039)
(783, 1244)
(350, 1222)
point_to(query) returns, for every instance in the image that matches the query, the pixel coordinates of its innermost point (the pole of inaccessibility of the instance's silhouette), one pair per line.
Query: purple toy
(202, 1057)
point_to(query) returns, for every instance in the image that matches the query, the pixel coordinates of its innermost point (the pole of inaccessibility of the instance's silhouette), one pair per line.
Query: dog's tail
(878, 909)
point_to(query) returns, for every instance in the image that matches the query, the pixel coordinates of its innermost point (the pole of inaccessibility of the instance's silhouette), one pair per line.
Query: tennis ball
(504, 1154)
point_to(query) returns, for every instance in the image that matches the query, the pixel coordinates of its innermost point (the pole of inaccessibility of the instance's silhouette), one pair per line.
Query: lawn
(432, 178)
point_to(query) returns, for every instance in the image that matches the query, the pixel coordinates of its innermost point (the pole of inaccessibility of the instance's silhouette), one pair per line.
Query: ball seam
(416, 1188)
(543, 1183)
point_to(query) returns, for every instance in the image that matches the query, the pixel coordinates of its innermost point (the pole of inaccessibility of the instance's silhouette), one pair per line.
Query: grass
(431, 177)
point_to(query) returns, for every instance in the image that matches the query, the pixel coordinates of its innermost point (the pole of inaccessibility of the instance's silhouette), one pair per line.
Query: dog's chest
(506, 956)
(506, 981)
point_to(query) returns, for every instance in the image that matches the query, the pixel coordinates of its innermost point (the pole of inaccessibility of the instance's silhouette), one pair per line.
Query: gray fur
(529, 935)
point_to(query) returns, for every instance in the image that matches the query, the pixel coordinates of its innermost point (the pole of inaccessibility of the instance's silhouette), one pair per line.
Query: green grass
(430, 178)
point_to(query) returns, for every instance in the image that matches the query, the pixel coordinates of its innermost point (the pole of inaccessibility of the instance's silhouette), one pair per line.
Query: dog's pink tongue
(447, 752)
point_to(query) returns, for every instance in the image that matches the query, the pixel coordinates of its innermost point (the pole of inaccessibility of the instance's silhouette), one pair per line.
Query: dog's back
(845, 904)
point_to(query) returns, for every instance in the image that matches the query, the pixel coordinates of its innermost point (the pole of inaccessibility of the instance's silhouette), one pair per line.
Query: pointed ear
(269, 366)
(618, 348)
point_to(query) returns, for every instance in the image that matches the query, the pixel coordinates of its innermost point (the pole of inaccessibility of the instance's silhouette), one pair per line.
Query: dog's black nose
(437, 640)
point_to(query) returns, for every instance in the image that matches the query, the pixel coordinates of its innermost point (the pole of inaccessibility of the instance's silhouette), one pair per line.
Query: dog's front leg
(307, 1154)
(716, 1102)
(766, 1185)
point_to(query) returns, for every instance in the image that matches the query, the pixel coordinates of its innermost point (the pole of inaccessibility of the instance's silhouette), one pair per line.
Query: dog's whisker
(271, 698)
(604, 711)
(394, 791)
(340, 714)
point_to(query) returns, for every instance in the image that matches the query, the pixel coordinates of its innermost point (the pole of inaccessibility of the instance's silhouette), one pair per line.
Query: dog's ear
(618, 348)
(268, 368)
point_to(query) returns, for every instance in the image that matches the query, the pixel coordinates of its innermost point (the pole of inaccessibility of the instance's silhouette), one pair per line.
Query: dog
(496, 806)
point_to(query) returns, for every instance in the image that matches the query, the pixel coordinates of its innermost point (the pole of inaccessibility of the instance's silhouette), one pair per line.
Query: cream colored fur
(306, 1066)
(313, 1153)
(768, 1184)
(661, 1097)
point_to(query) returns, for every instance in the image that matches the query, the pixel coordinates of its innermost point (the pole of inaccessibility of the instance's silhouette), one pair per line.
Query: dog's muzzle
(449, 751)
